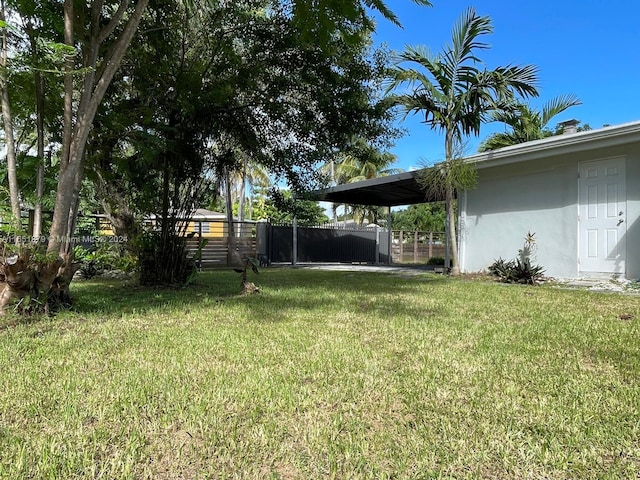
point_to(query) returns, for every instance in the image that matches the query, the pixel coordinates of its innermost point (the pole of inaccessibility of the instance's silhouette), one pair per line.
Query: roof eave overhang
(559, 145)
(392, 190)
(404, 189)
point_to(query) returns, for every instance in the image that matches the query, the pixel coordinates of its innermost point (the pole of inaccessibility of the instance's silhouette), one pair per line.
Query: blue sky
(590, 48)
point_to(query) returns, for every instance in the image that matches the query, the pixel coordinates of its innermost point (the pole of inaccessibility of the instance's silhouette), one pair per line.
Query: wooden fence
(416, 247)
(225, 251)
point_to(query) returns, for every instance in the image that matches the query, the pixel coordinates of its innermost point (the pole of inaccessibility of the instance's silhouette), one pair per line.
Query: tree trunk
(241, 194)
(449, 205)
(39, 91)
(450, 198)
(18, 281)
(54, 277)
(97, 77)
(12, 174)
(231, 240)
(122, 218)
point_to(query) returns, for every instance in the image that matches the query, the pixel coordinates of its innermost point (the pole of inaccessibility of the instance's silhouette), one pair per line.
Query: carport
(389, 191)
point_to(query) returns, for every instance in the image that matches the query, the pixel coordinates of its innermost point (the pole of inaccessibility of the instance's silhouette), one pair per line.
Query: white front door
(602, 216)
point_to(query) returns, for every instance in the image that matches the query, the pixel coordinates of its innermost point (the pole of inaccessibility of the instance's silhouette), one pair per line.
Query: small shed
(578, 193)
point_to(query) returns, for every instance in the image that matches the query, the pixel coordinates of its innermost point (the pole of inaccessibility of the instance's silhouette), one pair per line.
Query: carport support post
(294, 249)
(447, 234)
(389, 236)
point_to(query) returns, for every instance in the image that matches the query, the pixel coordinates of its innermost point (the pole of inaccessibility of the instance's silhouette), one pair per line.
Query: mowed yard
(344, 375)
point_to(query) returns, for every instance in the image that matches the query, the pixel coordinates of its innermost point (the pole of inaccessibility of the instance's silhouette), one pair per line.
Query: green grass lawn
(324, 375)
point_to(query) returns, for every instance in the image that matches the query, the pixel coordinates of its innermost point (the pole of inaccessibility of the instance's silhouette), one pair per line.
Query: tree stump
(45, 282)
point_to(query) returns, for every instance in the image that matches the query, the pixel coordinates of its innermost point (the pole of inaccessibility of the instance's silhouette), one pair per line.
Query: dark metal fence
(328, 244)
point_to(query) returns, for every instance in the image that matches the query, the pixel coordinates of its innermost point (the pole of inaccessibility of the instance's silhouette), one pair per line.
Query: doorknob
(620, 222)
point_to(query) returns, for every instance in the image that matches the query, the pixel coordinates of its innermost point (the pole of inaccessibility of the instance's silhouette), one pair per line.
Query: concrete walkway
(594, 284)
(356, 267)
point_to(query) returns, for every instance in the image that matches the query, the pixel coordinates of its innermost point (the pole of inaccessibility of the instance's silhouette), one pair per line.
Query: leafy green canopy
(200, 89)
(320, 20)
(424, 217)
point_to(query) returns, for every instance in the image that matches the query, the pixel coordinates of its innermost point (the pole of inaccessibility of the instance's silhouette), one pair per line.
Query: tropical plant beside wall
(521, 269)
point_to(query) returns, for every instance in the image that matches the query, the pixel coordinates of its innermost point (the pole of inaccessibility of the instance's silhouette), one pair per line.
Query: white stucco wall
(633, 214)
(540, 197)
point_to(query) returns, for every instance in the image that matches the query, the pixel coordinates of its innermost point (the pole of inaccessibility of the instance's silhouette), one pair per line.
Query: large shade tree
(97, 34)
(525, 123)
(456, 93)
(93, 38)
(270, 97)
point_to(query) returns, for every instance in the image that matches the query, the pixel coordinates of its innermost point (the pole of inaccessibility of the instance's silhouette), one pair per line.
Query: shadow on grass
(281, 290)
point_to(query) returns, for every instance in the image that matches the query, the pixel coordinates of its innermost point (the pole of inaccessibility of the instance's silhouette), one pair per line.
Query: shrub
(163, 260)
(105, 257)
(435, 261)
(521, 269)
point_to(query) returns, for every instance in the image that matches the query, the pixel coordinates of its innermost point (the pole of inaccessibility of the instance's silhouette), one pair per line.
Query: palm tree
(372, 163)
(252, 174)
(526, 123)
(365, 162)
(456, 96)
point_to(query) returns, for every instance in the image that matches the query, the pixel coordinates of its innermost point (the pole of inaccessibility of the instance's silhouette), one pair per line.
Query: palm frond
(384, 10)
(558, 105)
(453, 90)
(526, 123)
(521, 79)
(498, 140)
(465, 37)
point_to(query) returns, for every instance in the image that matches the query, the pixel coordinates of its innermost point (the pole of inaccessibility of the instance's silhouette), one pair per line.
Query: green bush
(435, 261)
(163, 260)
(105, 257)
(521, 269)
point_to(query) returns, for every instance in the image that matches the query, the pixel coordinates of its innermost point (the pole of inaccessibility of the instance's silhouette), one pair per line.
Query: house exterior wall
(633, 214)
(539, 196)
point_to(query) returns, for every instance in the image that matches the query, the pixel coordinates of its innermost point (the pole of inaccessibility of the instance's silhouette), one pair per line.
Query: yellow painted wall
(215, 229)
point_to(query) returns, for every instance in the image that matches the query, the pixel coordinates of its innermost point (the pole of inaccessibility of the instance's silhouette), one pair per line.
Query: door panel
(602, 215)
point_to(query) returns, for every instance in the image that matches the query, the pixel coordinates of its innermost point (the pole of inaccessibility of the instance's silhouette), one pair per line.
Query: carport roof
(403, 188)
(389, 191)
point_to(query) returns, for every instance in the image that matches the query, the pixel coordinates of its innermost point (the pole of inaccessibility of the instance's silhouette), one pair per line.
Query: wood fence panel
(215, 254)
(417, 247)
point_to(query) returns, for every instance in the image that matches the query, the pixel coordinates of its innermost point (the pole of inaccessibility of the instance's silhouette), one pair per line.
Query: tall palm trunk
(450, 233)
(243, 184)
(39, 84)
(37, 214)
(451, 229)
(231, 240)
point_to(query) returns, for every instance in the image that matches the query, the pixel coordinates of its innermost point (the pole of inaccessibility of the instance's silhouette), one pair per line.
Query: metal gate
(326, 244)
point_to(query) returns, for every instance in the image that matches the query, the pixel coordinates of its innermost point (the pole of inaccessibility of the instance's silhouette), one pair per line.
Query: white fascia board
(558, 145)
